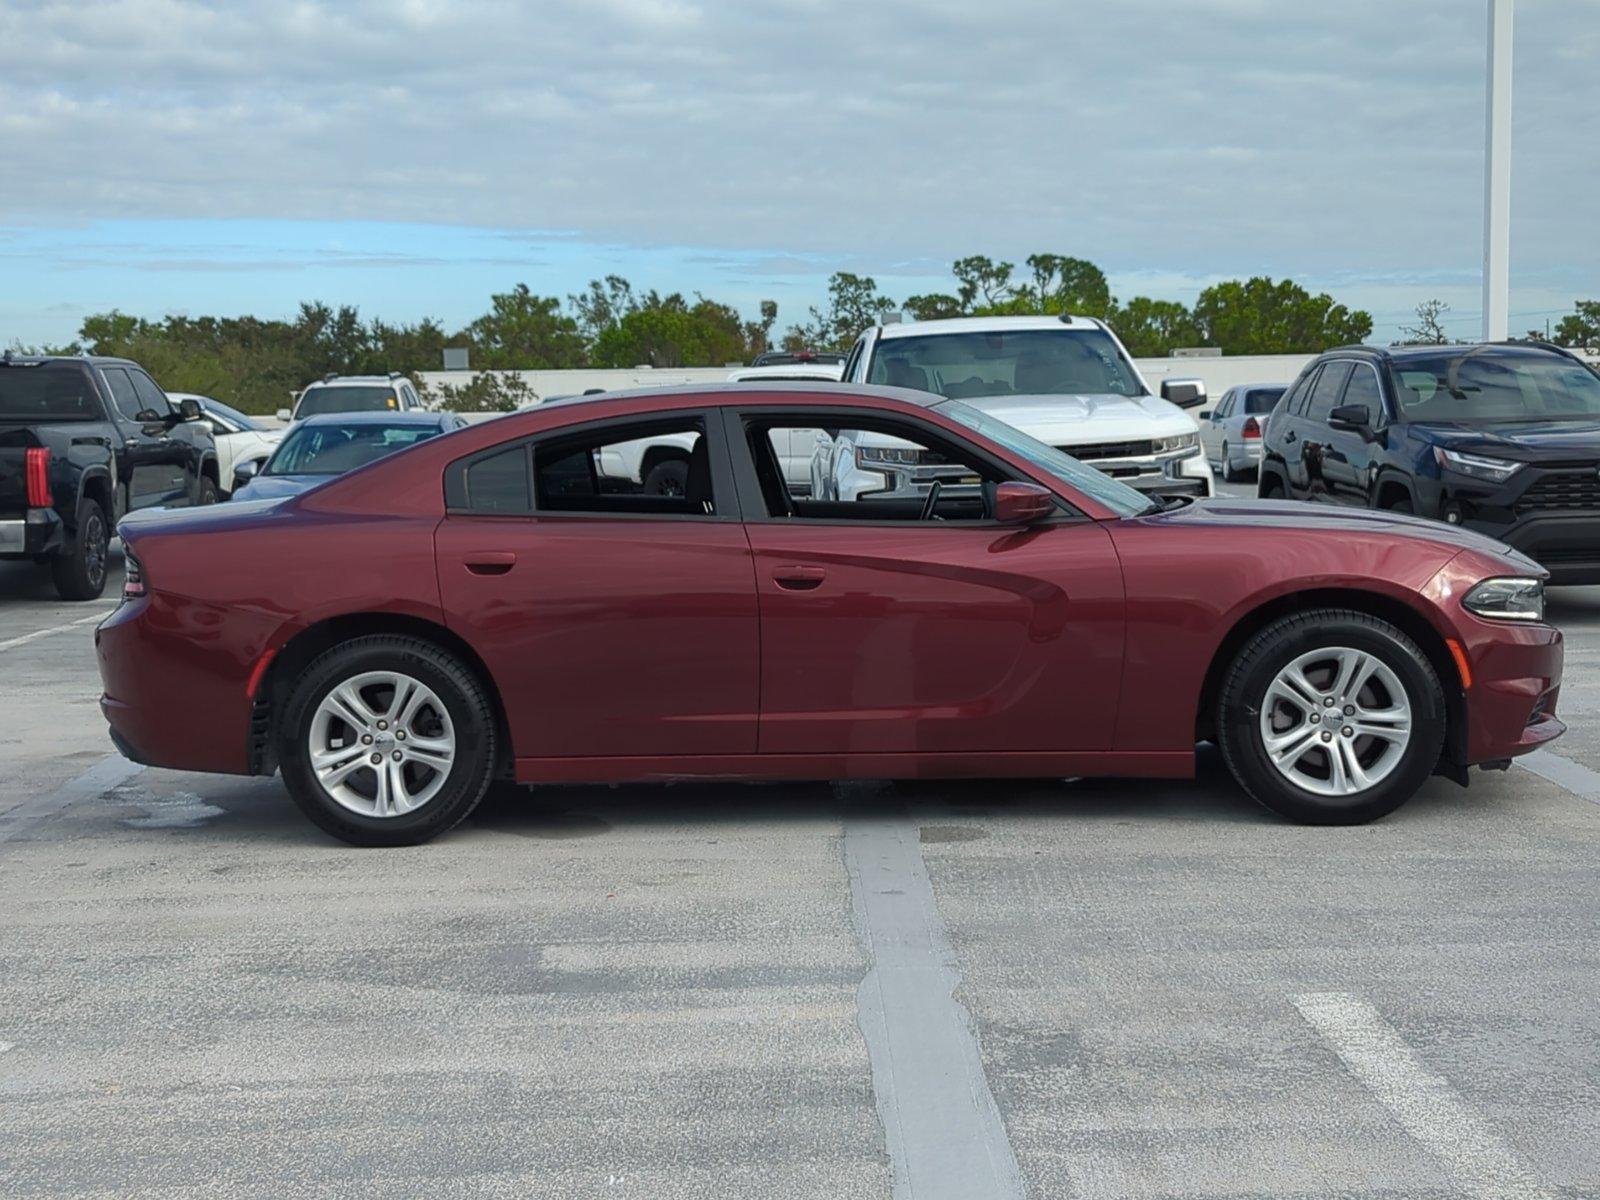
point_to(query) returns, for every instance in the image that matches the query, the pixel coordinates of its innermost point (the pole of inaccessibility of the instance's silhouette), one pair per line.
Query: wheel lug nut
(398, 756)
(1326, 736)
(385, 724)
(1349, 710)
(366, 739)
(399, 735)
(378, 758)
(1327, 701)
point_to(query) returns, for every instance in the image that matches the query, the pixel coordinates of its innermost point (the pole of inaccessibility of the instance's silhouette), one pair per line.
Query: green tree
(522, 331)
(602, 305)
(668, 331)
(934, 306)
(1263, 316)
(1580, 330)
(854, 303)
(982, 282)
(1154, 328)
(484, 392)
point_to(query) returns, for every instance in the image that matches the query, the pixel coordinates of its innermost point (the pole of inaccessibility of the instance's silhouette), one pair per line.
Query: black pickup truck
(82, 442)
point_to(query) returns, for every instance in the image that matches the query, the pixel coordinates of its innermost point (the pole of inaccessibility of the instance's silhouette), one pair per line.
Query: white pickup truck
(1065, 380)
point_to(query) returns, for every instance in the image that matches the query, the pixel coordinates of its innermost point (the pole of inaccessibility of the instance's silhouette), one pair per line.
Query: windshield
(228, 413)
(49, 392)
(335, 449)
(1262, 400)
(1118, 497)
(1503, 386)
(1030, 362)
(320, 399)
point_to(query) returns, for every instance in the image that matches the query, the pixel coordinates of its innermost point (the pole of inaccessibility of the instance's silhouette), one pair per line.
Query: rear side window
(1296, 403)
(1325, 396)
(1263, 400)
(660, 469)
(122, 392)
(500, 483)
(50, 392)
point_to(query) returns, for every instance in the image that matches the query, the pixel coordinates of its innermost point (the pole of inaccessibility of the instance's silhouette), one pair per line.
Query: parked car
(318, 448)
(1067, 381)
(83, 441)
(790, 358)
(480, 607)
(355, 393)
(1503, 438)
(1231, 432)
(239, 438)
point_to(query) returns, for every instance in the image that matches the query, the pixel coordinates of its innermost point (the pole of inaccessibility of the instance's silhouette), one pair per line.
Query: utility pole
(1497, 177)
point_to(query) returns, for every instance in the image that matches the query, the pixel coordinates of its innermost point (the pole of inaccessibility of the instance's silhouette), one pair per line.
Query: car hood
(1520, 441)
(1341, 521)
(276, 487)
(1080, 420)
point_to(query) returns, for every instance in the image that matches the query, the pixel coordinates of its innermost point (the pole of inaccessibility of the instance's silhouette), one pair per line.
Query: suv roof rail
(396, 374)
(1065, 318)
(330, 377)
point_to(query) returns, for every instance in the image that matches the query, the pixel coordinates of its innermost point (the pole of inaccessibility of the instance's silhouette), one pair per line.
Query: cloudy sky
(413, 156)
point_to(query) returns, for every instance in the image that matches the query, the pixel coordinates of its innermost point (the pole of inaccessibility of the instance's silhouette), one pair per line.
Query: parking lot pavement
(1106, 989)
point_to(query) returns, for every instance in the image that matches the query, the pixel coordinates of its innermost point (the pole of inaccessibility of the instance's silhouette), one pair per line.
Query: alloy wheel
(381, 744)
(1335, 721)
(95, 549)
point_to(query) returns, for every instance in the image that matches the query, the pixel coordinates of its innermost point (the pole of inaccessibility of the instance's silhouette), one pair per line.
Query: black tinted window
(1325, 395)
(1296, 402)
(46, 393)
(1363, 389)
(122, 392)
(660, 468)
(1263, 400)
(500, 483)
(151, 398)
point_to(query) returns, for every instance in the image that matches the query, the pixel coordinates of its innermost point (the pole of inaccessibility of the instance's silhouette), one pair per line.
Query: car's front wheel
(387, 741)
(1331, 717)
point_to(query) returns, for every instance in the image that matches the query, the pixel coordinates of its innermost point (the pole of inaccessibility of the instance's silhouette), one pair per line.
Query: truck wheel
(387, 741)
(1331, 717)
(80, 569)
(670, 478)
(208, 490)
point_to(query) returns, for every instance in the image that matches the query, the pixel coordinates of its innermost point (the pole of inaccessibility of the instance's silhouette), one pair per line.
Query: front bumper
(39, 532)
(1511, 705)
(1551, 514)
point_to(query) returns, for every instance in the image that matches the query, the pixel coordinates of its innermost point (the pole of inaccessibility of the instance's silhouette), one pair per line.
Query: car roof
(98, 360)
(1433, 350)
(354, 381)
(823, 392)
(387, 417)
(984, 325)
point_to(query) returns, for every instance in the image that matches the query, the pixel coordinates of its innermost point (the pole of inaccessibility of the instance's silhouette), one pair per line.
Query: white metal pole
(1497, 178)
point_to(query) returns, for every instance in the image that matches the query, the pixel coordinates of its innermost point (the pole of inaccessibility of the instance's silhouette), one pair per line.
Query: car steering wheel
(930, 503)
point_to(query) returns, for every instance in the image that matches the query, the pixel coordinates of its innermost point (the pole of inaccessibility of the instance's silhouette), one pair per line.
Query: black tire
(471, 714)
(1229, 475)
(1258, 663)
(669, 478)
(1269, 487)
(1401, 505)
(80, 569)
(208, 491)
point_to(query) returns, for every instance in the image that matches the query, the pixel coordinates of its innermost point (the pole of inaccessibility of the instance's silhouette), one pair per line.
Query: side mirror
(1355, 418)
(244, 472)
(1022, 503)
(284, 414)
(189, 410)
(1185, 393)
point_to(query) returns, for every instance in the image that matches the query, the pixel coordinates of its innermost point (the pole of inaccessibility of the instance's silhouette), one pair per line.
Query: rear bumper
(40, 531)
(175, 695)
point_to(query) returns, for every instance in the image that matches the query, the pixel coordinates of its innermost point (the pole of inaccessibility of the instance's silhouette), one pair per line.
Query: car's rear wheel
(1331, 717)
(1229, 473)
(80, 570)
(668, 478)
(387, 741)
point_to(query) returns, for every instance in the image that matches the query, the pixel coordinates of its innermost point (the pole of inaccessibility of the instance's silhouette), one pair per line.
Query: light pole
(1497, 178)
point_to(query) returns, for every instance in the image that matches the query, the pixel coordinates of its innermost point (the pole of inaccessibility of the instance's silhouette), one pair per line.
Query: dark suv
(1503, 438)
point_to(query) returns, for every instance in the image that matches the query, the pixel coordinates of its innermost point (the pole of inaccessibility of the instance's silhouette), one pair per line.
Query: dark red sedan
(510, 601)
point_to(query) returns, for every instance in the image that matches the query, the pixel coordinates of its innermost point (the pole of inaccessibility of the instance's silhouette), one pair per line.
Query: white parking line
(25, 638)
(1563, 772)
(1427, 1107)
(944, 1133)
(97, 780)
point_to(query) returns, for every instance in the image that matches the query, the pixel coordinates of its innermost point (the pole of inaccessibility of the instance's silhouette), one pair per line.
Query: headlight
(1510, 598)
(878, 456)
(1495, 470)
(1169, 445)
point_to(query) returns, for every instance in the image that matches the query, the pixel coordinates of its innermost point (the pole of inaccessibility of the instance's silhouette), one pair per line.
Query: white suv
(356, 393)
(1065, 380)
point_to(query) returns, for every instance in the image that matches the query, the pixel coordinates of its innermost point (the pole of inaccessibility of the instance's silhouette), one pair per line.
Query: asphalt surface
(1087, 989)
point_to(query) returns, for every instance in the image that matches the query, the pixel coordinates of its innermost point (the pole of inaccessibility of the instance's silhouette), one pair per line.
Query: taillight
(36, 466)
(1252, 429)
(133, 576)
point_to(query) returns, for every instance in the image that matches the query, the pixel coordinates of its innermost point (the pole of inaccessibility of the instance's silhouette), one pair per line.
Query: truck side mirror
(1185, 393)
(189, 409)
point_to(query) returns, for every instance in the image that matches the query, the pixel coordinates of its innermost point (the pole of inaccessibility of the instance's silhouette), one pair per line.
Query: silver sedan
(1231, 432)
